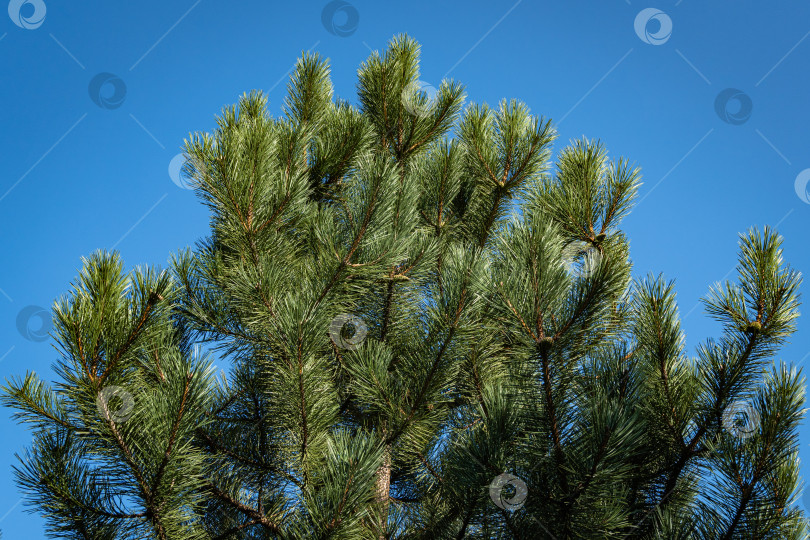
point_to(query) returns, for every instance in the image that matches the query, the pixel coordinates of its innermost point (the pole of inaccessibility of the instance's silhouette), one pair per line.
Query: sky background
(97, 98)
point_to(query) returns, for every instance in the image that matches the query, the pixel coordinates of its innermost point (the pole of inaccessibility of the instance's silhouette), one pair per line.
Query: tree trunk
(382, 491)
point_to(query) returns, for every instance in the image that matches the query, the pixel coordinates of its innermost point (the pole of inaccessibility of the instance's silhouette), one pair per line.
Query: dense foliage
(433, 333)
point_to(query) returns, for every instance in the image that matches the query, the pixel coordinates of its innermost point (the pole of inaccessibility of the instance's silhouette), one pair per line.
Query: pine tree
(433, 333)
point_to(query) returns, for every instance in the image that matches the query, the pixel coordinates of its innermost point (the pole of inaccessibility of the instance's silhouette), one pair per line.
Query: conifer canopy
(433, 332)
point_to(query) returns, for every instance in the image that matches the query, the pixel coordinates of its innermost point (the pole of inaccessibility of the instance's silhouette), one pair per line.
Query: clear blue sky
(77, 177)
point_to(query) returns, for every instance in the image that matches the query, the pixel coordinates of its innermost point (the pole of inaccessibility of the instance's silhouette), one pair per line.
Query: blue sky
(82, 172)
